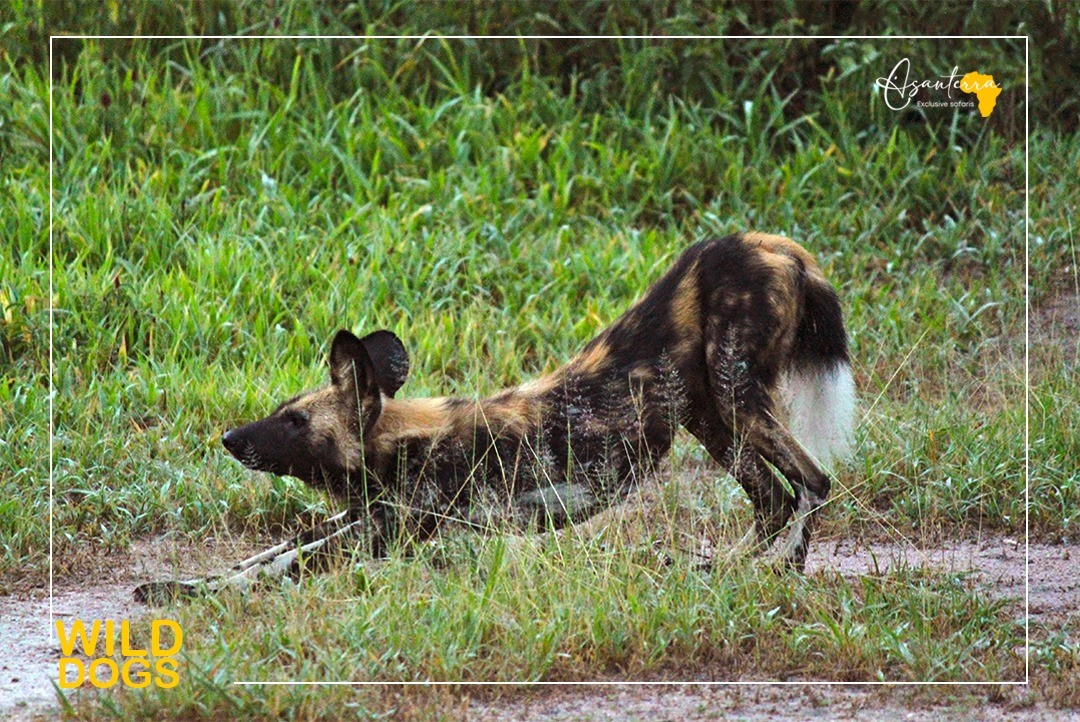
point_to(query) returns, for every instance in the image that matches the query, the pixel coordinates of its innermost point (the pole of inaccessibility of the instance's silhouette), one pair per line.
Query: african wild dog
(741, 342)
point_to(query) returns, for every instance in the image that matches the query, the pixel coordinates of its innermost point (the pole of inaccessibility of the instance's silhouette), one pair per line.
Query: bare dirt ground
(995, 565)
(28, 665)
(758, 703)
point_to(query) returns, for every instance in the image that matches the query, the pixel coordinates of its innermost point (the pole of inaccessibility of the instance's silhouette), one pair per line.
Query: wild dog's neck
(509, 412)
(403, 418)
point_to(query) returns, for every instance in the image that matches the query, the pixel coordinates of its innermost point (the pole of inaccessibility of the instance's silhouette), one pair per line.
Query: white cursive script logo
(899, 90)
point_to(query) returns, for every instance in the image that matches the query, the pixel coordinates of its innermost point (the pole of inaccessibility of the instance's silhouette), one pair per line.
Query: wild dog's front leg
(316, 545)
(313, 556)
(319, 531)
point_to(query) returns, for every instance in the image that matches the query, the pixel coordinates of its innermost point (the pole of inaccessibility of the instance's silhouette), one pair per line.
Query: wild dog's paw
(161, 593)
(751, 545)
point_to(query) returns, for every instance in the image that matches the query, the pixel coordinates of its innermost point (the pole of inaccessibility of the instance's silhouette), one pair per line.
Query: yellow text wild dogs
(741, 342)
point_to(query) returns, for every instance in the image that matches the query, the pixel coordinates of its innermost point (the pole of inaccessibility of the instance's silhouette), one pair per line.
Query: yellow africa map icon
(984, 89)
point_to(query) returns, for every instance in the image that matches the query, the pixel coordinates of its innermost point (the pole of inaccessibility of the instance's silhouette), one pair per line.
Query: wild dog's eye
(297, 417)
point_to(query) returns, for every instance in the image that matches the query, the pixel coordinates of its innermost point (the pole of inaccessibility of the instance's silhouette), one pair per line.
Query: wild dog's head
(318, 436)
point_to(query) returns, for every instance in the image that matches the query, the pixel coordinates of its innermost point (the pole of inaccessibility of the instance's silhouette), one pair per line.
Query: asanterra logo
(899, 90)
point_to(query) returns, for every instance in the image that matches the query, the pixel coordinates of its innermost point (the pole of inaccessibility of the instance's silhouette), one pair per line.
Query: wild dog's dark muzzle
(237, 444)
(231, 442)
(277, 444)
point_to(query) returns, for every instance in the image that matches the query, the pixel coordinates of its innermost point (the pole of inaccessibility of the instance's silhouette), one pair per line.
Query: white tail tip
(820, 405)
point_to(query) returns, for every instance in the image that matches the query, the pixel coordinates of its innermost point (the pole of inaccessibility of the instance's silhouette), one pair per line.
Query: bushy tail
(818, 388)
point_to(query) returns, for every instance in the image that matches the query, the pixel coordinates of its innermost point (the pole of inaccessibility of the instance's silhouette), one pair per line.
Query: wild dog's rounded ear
(349, 362)
(389, 360)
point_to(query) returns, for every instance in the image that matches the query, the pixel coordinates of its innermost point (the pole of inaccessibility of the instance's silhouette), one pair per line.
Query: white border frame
(1027, 378)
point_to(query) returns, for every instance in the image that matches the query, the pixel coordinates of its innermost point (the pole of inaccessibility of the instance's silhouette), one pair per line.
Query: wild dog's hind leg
(775, 444)
(773, 504)
(742, 374)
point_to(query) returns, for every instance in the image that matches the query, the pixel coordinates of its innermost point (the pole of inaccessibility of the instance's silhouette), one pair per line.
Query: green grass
(222, 208)
(564, 611)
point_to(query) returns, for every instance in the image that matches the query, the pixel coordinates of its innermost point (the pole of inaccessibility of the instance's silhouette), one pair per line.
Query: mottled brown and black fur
(715, 346)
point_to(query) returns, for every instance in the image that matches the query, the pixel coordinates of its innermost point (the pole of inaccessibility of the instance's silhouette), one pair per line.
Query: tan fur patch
(686, 314)
(415, 418)
(540, 386)
(511, 413)
(593, 360)
(783, 256)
